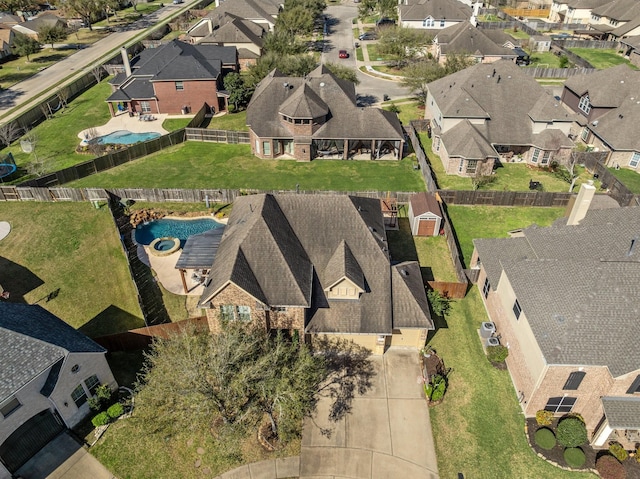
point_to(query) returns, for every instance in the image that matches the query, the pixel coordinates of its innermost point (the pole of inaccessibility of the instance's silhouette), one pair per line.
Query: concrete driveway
(386, 435)
(63, 458)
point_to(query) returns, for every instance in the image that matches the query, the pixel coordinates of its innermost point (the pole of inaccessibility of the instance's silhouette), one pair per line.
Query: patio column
(602, 434)
(373, 149)
(184, 281)
(345, 152)
(111, 109)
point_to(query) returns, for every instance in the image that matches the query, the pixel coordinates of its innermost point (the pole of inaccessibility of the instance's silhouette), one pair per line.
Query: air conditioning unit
(487, 329)
(493, 342)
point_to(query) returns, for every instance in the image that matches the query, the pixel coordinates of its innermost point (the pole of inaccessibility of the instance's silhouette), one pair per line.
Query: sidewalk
(368, 64)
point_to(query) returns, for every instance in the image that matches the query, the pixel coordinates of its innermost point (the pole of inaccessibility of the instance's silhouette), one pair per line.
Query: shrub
(619, 452)
(115, 410)
(544, 438)
(544, 418)
(497, 354)
(610, 468)
(436, 388)
(574, 457)
(571, 432)
(101, 397)
(439, 304)
(100, 419)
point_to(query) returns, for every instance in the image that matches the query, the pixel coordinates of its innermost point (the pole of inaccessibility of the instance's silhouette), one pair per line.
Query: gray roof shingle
(437, 9)
(200, 250)
(622, 412)
(410, 306)
(465, 38)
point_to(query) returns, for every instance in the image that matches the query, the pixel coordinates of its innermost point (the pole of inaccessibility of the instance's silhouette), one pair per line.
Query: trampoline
(7, 166)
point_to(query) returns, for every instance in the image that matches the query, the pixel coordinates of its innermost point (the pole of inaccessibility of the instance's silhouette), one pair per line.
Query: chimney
(125, 60)
(581, 206)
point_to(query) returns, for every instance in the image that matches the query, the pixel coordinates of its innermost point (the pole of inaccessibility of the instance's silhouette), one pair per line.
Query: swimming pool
(125, 137)
(167, 227)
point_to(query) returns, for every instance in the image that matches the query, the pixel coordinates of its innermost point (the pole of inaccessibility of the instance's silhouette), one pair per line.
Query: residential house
(232, 31)
(317, 117)
(262, 12)
(631, 47)
(425, 215)
(615, 14)
(608, 106)
(432, 14)
(318, 265)
(175, 78)
(48, 371)
(573, 11)
(502, 38)
(32, 26)
(491, 112)
(539, 43)
(465, 39)
(6, 39)
(564, 301)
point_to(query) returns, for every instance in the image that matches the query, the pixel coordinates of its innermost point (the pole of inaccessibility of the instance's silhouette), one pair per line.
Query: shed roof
(200, 250)
(424, 202)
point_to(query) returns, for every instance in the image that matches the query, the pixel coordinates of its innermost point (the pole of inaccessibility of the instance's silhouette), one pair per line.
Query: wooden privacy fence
(217, 136)
(427, 174)
(527, 12)
(596, 44)
(449, 290)
(540, 72)
(505, 198)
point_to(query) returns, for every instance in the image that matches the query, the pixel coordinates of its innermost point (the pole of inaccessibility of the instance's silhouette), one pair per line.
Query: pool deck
(129, 123)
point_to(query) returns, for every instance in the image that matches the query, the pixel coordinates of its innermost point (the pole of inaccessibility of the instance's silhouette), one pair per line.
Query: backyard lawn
(630, 178)
(601, 58)
(471, 222)
(212, 165)
(479, 427)
(544, 59)
(412, 110)
(518, 34)
(172, 124)
(74, 249)
(230, 121)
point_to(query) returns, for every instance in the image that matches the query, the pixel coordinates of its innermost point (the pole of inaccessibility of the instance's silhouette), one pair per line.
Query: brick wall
(292, 318)
(195, 93)
(231, 294)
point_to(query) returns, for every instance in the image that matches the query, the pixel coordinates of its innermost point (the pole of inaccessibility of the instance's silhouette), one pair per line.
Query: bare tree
(97, 73)
(9, 132)
(45, 108)
(38, 166)
(63, 96)
(91, 137)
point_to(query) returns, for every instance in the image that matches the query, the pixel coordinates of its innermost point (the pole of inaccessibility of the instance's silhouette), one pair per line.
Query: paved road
(26, 92)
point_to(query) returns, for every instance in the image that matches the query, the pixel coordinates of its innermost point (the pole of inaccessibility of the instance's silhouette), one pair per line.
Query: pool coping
(125, 122)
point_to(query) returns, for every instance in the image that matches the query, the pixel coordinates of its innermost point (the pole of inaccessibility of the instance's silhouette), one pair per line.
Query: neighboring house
(432, 14)
(500, 37)
(6, 39)
(32, 26)
(48, 371)
(564, 301)
(632, 49)
(316, 265)
(174, 78)
(491, 112)
(539, 43)
(232, 31)
(573, 11)
(608, 106)
(465, 39)
(262, 12)
(317, 117)
(615, 14)
(627, 30)
(425, 216)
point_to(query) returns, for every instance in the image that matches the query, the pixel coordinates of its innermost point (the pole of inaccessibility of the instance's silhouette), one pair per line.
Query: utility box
(493, 342)
(487, 329)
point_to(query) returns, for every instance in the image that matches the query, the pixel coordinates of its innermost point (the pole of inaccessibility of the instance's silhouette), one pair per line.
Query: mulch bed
(556, 454)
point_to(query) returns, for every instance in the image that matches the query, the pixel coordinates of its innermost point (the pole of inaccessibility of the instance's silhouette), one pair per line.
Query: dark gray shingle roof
(200, 250)
(410, 306)
(622, 412)
(465, 38)
(437, 9)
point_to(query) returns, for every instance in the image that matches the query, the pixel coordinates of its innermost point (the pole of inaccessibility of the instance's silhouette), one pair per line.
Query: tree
(283, 43)
(63, 96)
(97, 73)
(403, 44)
(419, 74)
(439, 304)
(568, 172)
(290, 65)
(456, 62)
(9, 132)
(85, 9)
(24, 45)
(14, 6)
(343, 72)
(295, 21)
(382, 8)
(239, 92)
(52, 34)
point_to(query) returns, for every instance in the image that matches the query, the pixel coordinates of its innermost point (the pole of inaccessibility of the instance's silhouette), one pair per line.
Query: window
(635, 386)
(276, 147)
(79, 396)
(428, 22)
(75, 368)
(145, 106)
(244, 313)
(595, 18)
(536, 154)
(545, 157)
(9, 407)
(441, 23)
(486, 288)
(437, 143)
(560, 404)
(584, 104)
(227, 312)
(279, 309)
(257, 147)
(92, 384)
(613, 22)
(585, 133)
(472, 165)
(266, 148)
(179, 86)
(517, 309)
(635, 158)
(575, 378)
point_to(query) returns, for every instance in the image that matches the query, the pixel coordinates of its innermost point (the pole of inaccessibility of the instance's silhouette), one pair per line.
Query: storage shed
(425, 215)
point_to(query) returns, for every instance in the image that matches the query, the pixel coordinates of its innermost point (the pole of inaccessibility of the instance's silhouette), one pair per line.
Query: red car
(343, 54)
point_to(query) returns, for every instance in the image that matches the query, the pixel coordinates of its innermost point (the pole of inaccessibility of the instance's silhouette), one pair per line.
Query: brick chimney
(125, 60)
(581, 206)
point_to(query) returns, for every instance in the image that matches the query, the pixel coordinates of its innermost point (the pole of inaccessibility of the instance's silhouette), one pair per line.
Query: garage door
(29, 438)
(426, 227)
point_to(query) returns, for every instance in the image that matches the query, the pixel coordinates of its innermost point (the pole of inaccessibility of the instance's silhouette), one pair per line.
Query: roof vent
(634, 241)
(285, 85)
(321, 83)
(595, 123)
(559, 318)
(621, 116)
(404, 272)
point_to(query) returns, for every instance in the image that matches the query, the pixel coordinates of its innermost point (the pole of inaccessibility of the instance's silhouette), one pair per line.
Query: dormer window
(585, 104)
(428, 22)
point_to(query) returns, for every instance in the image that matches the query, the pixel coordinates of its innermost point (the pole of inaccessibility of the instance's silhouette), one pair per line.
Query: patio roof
(200, 250)
(622, 412)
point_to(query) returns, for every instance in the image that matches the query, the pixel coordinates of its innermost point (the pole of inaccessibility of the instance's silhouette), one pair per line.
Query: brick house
(318, 265)
(608, 111)
(317, 117)
(48, 371)
(465, 39)
(564, 302)
(174, 78)
(261, 12)
(491, 112)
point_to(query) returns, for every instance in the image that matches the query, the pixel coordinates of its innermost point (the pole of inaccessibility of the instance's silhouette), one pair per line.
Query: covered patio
(196, 259)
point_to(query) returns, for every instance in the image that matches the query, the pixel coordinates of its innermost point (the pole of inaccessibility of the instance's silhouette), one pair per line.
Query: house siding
(232, 294)
(195, 93)
(409, 338)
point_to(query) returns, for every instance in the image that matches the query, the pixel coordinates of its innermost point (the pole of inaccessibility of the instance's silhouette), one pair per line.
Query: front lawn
(471, 222)
(74, 249)
(479, 427)
(630, 178)
(374, 53)
(210, 165)
(601, 58)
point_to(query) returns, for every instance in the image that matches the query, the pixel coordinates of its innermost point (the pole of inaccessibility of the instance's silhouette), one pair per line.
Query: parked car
(367, 36)
(385, 22)
(343, 54)
(177, 2)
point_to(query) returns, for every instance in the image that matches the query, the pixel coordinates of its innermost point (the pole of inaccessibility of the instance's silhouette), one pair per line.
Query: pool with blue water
(167, 227)
(125, 137)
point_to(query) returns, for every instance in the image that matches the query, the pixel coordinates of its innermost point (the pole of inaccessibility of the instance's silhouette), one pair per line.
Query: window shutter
(575, 378)
(635, 386)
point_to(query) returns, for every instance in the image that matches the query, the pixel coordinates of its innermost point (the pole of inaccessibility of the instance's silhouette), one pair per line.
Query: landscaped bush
(619, 452)
(497, 354)
(115, 410)
(545, 438)
(100, 419)
(574, 457)
(571, 432)
(101, 398)
(544, 418)
(610, 468)
(436, 388)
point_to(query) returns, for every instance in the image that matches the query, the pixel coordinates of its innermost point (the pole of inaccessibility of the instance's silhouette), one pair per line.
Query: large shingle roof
(465, 38)
(607, 88)
(437, 9)
(248, 9)
(236, 30)
(622, 412)
(621, 10)
(410, 306)
(577, 286)
(32, 340)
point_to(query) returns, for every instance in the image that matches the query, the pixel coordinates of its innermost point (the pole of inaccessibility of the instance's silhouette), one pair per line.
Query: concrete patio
(130, 123)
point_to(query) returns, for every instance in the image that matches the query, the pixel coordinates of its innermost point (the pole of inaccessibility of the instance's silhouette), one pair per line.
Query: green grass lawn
(479, 427)
(230, 121)
(76, 249)
(601, 58)
(408, 111)
(630, 178)
(374, 53)
(172, 124)
(211, 165)
(520, 35)
(359, 54)
(129, 15)
(471, 222)
(544, 59)
(57, 137)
